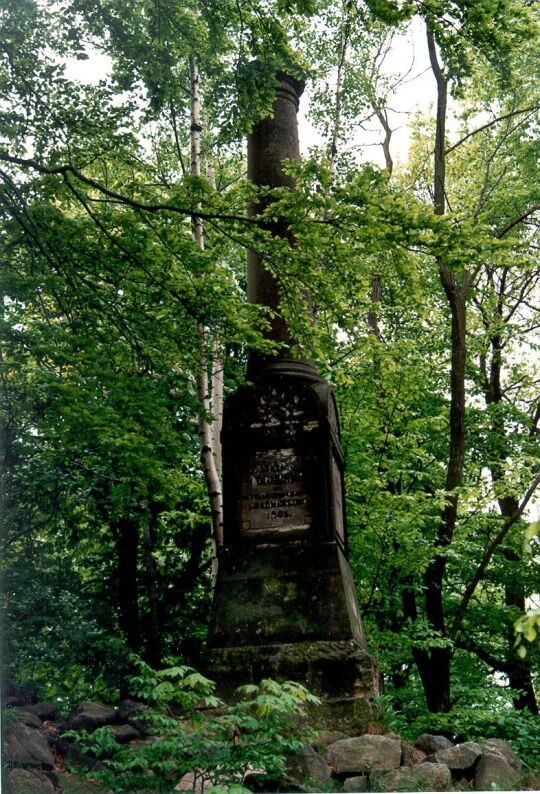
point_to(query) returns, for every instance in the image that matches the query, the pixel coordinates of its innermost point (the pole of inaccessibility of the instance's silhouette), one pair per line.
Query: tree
(118, 316)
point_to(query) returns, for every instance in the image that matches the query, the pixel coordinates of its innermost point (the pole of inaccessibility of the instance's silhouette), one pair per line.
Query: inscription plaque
(275, 491)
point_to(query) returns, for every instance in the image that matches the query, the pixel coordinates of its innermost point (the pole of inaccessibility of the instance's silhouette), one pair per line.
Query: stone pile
(36, 752)
(388, 763)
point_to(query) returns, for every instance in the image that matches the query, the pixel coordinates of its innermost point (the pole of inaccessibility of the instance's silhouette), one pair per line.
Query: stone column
(272, 141)
(285, 603)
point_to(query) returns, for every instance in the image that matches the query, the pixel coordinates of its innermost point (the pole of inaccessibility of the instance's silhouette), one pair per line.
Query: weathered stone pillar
(285, 603)
(272, 141)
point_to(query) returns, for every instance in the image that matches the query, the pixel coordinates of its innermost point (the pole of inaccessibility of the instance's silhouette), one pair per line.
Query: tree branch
(65, 170)
(488, 554)
(530, 211)
(490, 124)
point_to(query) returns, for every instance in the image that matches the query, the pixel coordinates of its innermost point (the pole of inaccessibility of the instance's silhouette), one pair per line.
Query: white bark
(206, 430)
(217, 375)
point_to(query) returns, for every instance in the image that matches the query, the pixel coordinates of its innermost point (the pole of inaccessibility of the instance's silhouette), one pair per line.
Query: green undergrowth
(191, 731)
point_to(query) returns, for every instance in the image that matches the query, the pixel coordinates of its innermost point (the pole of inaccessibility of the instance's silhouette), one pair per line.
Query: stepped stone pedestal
(285, 604)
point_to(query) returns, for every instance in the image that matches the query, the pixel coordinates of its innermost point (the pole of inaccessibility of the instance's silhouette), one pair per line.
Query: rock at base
(411, 755)
(494, 772)
(23, 781)
(125, 733)
(307, 765)
(500, 747)
(460, 758)
(25, 716)
(424, 777)
(359, 783)
(90, 716)
(364, 754)
(25, 746)
(326, 738)
(257, 782)
(45, 711)
(430, 743)
(129, 709)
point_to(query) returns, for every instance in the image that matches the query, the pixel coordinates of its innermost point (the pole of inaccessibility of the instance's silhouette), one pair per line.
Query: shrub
(192, 731)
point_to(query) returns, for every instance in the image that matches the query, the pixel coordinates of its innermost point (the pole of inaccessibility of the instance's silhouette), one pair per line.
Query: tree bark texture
(207, 437)
(434, 665)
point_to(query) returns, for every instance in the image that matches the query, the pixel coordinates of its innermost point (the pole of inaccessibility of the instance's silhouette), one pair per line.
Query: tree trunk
(206, 434)
(519, 670)
(126, 535)
(434, 665)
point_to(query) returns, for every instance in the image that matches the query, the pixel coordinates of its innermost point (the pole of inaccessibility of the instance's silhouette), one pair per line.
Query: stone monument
(285, 603)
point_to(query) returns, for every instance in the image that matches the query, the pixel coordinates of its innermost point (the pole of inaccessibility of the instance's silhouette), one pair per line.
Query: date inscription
(274, 492)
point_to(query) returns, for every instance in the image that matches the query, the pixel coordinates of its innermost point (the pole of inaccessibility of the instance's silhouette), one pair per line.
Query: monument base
(340, 672)
(285, 604)
(290, 613)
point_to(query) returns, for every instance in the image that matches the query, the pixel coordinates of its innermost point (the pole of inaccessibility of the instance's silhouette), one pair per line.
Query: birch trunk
(206, 430)
(217, 377)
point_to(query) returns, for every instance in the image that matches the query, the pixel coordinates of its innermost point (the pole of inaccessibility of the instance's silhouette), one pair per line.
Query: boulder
(125, 733)
(362, 754)
(411, 755)
(25, 716)
(500, 747)
(327, 738)
(89, 716)
(430, 743)
(258, 782)
(196, 785)
(24, 746)
(24, 781)
(73, 755)
(460, 759)
(133, 712)
(423, 777)
(360, 783)
(45, 711)
(494, 772)
(128, 709)
(307, 765)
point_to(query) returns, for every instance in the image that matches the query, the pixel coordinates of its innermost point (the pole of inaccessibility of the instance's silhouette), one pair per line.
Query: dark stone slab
(25, 716)
(308, 766)
(430, 743)
(255, 781)
(283, 469)
(125, 733)
(24, 746)
(45, 711)
(25, 781)
(89, 716)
